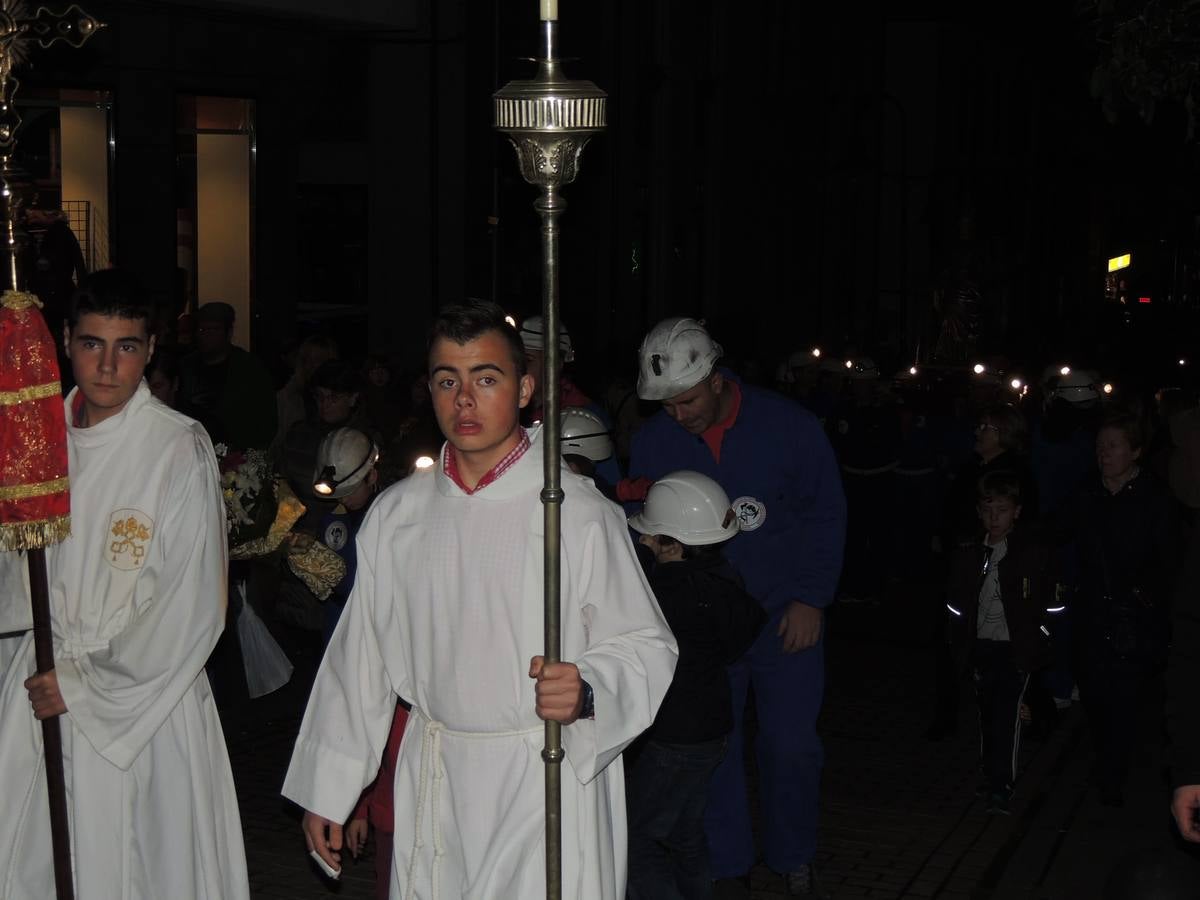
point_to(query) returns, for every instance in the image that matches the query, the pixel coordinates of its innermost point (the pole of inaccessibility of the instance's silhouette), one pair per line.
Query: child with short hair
(685, 520)
(996, 593)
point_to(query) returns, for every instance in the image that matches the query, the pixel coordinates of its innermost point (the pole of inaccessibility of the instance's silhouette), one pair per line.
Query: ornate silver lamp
(549, 120)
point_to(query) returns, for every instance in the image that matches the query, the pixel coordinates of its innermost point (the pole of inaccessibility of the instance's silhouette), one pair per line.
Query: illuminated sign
(1120, 262)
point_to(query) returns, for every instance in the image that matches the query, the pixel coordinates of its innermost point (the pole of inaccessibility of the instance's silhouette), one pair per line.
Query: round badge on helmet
(750, 512)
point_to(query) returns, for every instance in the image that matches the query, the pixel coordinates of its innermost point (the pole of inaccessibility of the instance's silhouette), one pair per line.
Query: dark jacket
(714, 621)
(1027, 590)
(1183, 662)
(1127, 557)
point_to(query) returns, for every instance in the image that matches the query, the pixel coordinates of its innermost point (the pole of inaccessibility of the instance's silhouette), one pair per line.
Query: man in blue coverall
(775, 463)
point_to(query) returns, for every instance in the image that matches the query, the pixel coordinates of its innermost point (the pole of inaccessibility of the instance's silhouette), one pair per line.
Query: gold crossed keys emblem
(131, 531)
(18, 30)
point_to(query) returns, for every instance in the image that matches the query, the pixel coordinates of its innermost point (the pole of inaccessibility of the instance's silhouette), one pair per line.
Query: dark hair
(692, 551)
(1129, 425)
(467, 320)
(1000, 485)
(1011, 428)
(338, 375)
(112, 293)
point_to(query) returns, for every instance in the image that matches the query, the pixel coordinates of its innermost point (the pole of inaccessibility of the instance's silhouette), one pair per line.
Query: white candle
(549, 10)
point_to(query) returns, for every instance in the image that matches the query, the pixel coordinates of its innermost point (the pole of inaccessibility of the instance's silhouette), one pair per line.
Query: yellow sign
(1120, 262)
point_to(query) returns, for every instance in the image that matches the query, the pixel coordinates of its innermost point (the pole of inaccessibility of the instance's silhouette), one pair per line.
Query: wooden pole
(56, 787)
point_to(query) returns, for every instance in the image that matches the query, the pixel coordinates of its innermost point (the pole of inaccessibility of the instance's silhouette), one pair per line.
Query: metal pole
(549, 121)
(550, 206)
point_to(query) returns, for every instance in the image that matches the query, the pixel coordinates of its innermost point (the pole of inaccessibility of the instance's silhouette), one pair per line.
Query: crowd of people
(710, 524)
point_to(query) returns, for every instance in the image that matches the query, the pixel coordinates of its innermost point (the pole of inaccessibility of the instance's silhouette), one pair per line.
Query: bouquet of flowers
(248, 488)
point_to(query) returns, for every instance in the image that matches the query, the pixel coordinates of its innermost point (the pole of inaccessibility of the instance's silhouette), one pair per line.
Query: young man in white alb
(137, 597)
(446, 612)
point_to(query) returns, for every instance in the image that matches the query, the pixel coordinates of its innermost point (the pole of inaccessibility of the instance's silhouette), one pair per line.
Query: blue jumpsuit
(782, 479)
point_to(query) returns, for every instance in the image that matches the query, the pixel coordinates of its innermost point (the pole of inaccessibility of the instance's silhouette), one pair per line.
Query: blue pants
(787, 691)
(666, 792)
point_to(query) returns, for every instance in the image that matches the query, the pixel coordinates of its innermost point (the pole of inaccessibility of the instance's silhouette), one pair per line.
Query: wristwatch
(589, 702)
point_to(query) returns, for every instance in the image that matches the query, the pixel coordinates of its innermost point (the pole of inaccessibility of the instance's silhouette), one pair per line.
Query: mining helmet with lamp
(344, 459)
(1075, 387)
(798, 359)
(676, 355)
(585, 434)
(689, 507)
(533, 336)
(862, 369)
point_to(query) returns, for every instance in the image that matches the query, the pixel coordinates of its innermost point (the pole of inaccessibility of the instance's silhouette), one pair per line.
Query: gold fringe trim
(34, 535)
(28, 394)
(19, 300)
(38, 489)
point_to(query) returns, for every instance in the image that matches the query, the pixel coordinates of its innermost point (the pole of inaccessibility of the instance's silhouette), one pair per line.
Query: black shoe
(732, 888)
(802, 883)
(1111, 796)
(997, 802)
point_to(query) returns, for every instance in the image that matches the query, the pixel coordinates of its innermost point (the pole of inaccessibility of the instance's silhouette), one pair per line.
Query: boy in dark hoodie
(686, 517)
(999, 592)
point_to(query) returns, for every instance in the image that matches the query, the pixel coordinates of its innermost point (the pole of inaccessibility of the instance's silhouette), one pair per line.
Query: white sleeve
(631, 653)
(119, 696)
(352, 703)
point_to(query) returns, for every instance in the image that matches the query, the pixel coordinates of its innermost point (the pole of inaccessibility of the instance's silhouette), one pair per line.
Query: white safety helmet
(798, 359)
(533, 335)
(676, 355)
(344, 459)
(688, 506)
(834, 365)
(584, 434)
(862, 368)
(1076, 386)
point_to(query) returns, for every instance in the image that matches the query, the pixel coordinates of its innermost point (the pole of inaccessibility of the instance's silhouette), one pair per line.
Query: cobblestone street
(899, 817)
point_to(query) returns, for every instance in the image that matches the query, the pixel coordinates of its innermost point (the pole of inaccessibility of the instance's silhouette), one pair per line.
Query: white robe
(137, 598)
(446, 611)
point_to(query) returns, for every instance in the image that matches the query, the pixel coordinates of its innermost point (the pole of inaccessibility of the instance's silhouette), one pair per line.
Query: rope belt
(69, 648)
(429, 792)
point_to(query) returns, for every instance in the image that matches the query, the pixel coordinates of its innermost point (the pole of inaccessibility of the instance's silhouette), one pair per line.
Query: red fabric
(450, 465)
(716, 434)
(631, 489)
(375, 804)
(569, 394)
(33, 428)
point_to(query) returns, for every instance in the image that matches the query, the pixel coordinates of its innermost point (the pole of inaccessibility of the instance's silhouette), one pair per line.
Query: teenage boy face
(477, 393)
(998, 516)
(108, 356)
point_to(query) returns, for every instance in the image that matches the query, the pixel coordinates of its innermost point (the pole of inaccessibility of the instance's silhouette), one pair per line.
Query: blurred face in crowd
(987, 440)
(701, 407)
(477, 396)
(334, 407)
(162, 387)
(998, 516)
(1114, 454)
(108, 356)
(213, 339)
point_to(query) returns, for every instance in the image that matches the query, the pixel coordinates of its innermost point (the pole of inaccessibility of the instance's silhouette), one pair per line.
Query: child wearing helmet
(685, 520)
(346, 472)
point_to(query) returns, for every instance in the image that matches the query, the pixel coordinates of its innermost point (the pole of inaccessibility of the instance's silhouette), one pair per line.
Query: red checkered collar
(450, 465)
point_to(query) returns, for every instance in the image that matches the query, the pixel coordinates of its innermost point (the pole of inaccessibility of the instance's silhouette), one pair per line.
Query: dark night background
(795, 173)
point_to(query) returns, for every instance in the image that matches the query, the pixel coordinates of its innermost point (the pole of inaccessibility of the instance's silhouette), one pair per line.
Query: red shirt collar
(716, 433)
(450, 465)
